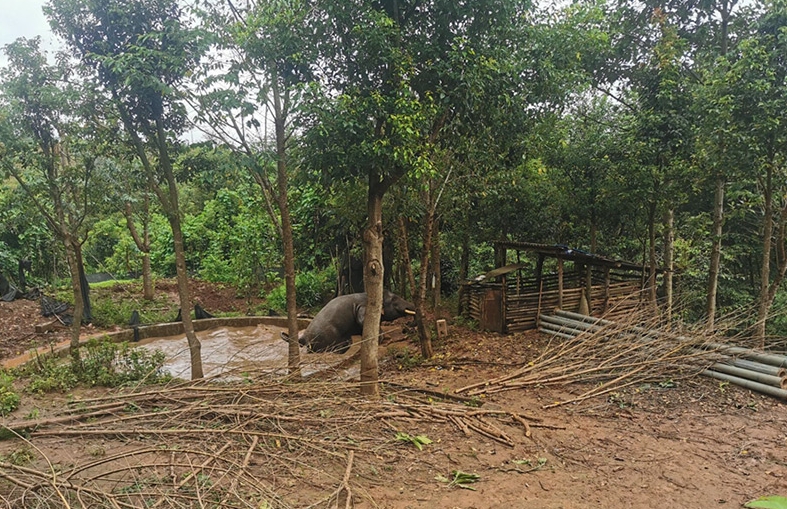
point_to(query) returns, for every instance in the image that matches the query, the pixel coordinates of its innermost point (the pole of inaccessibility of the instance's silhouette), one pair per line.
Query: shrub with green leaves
(103, 363)
(311, 287)
(9, 399)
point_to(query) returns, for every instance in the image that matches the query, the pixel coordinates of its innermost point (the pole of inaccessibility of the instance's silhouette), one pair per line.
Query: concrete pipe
(748, 384)
(760, 367)
(778, 360)
(748, 374)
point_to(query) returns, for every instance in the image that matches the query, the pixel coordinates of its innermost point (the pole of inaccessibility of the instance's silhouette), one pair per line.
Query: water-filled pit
(228, 350)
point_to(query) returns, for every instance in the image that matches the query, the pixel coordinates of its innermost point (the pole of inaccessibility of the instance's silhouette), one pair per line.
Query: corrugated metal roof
(568, 253)
(505, 270)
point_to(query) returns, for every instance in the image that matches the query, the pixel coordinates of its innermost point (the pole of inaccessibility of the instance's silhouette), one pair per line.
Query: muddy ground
(691, 443)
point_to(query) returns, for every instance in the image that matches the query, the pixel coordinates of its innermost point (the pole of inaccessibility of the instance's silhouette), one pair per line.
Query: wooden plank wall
(526, 297)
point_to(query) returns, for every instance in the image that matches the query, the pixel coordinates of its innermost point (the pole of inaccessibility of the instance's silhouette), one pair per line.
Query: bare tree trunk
(765, 271)
(373, 285)
(293, 350)
(436, 276)
(669, 263)
(76, 325)
(652, 254)
(715, 253)
(464, 268)
(420, 301)
(143, 244)
(148, 292)
(405, 256)
(173, 215)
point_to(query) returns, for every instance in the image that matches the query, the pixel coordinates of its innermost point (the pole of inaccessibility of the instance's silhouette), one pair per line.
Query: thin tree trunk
(84, 286)
(293, 350)
(143, 244)
(652, 254)
(76, 325)
(173, 215)
(436, 276)
(424, 336)
(464, 268)
(715, 253)
(725, 8)
(765, 271)
(407, 266)
(669, 263)
(373, 285)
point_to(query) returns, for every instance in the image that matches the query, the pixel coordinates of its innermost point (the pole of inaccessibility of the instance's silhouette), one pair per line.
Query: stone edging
(148, 331)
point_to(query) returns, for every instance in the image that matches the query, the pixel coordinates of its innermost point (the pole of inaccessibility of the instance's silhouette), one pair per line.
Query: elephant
(333, 327)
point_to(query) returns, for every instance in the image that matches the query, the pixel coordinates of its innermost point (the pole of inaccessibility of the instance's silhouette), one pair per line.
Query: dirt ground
(689, 444)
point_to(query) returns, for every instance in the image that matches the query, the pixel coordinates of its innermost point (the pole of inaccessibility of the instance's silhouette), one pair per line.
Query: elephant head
(395, 307)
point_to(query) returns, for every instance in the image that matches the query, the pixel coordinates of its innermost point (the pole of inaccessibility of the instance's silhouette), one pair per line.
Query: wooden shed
(510, 297)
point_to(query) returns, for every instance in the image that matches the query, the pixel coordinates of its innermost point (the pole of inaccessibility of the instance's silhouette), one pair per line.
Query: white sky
(24, 18)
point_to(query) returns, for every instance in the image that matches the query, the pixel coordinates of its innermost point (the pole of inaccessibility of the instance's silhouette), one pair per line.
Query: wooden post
(518, 275)
(442, 329)
(500, 255)
(606, 289)
(560, 283)
(589, 287)
(504, 305)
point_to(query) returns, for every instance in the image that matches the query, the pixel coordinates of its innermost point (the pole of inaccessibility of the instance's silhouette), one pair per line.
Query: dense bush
(231, 240)
(9, 399)
(313, 288)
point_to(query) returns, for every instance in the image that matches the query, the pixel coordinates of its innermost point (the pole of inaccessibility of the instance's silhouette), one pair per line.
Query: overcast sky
(23, 18)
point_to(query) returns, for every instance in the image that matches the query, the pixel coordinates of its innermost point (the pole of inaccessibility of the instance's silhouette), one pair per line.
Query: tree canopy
(392, 141)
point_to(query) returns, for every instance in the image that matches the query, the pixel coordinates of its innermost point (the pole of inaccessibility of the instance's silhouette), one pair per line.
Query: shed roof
(567, 253)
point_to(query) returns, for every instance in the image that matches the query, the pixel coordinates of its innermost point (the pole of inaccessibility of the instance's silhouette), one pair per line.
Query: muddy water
(232, 350)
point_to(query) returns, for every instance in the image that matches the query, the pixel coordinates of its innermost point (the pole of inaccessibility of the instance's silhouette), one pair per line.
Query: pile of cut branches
(251, 443)
(608, 355)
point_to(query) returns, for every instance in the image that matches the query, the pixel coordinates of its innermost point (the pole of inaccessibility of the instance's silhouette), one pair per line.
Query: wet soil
(693, 443)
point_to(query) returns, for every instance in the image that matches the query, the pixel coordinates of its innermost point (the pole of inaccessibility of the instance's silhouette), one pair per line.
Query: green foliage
(460, 479)
(103, 363)
(231, 239)
(769, 502)
(9, 399)
(468, 323)
(113, 305)
(417, 440)
(19, 457)
(162, 247)
(311, 287)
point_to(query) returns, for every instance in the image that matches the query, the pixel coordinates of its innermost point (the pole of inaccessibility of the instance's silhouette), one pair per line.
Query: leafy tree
(404, 83)
(264, 41)
(50, 156)
(140, 52)
(665, 130)
(369, 124)
(757, 81)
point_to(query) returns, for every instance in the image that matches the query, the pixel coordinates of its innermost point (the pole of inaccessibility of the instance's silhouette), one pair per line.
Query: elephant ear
(360, 314)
